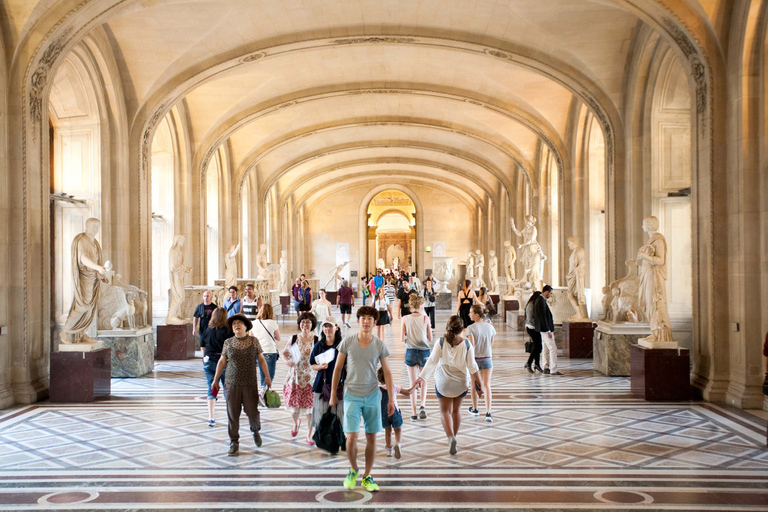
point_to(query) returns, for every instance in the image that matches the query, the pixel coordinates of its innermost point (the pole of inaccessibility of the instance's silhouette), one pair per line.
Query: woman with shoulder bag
(266, 330)
(321, 389)
(297, 390)
(534, 358)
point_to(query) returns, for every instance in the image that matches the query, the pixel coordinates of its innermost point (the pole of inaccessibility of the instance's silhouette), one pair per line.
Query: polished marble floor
(578, 441)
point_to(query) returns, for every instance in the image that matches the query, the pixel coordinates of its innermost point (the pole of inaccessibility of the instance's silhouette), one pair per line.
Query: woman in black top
(211, 343)
(330, 339)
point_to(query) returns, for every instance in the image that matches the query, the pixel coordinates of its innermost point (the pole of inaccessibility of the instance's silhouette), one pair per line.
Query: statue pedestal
(577, 339)
(515, 320)
(660, 374)
(509, 304)
(81, 347)
(443, 301)
(331, 296)
(610, 346)
(285, 304)
(132, 351)
(80, 376)
(175, 342)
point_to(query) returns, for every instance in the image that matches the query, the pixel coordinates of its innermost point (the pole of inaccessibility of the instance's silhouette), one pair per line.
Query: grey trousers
(238, 398)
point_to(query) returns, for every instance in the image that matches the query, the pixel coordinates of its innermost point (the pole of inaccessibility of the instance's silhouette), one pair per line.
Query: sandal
(294, 433)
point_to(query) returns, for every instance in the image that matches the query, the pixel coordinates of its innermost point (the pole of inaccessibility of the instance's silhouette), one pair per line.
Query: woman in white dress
(321, 308)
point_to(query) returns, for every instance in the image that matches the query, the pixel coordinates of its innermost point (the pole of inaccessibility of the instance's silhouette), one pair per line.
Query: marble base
(81, 347)
(515, 320)
(669, 345)
(132, 355)
(510, 304)
(660, 374)
(285, 304)
(331, 296)
(443, 301)
(80, 376)
(577, 339)
(610, 346)
(175, 342)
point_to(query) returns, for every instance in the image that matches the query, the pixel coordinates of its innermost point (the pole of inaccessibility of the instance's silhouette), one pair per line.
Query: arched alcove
(391, 231)
(212, 178)
(163, 213)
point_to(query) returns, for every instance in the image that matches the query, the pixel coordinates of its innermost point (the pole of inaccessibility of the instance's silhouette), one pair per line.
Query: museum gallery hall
(544, 222)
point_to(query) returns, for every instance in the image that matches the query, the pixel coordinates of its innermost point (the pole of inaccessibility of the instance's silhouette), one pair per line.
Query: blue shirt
(232, 307)
(378, 281)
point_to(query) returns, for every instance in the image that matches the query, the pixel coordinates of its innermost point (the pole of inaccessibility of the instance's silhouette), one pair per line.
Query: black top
(213, 340)
(204, 313)
(404, 297)
(542, 316)
(327, 374)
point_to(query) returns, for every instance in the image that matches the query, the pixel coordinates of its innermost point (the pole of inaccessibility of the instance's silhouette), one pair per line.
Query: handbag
(325, 392)
(528, 347)
(272, 399)
(329, 435)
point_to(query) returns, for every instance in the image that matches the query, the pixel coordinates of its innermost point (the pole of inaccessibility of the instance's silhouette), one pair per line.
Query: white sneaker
(389, 451)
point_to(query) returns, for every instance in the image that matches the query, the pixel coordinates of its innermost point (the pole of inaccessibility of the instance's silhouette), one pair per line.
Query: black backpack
(329, 435)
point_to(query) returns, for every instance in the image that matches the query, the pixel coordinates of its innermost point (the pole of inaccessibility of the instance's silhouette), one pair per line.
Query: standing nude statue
(262, 262)
(532, 256)
(510, 257)
(336, 275)
(178, 273)
(230, 266)
(283, 273)
(470, 265)
(577, 265)
(493, 272)
(479, 268)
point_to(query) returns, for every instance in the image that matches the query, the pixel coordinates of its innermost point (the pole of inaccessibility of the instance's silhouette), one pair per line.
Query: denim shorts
(394, 421)
(210, 372)
(369, 407)
(441, 396)
(416, 357)
(484, 363)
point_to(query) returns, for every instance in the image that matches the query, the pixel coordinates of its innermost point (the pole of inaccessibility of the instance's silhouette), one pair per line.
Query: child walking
(396, 420)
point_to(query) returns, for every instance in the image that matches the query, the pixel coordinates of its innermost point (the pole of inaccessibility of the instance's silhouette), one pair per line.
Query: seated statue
(120, 306)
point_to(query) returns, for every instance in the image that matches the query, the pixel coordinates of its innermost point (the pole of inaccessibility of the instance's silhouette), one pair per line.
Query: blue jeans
(271, 363)
(416, 357)
(210, 372)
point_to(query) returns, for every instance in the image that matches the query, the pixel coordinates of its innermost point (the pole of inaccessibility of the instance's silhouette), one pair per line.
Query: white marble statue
(120, 303)
(652, 258)
(262, 262)
(396, 263)
(470, 266)
(577, 267)
(179, 272)
(493, 272)
(531, 254)
(335, 276)
(510, 257)
(620, 301)
(380, 263)
(230, 266)
(442, 273)
(87, 274)
(284, 290)
(479, 268)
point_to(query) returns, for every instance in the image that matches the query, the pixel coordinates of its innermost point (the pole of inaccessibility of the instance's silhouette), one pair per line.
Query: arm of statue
(514, 228)
(88, 262)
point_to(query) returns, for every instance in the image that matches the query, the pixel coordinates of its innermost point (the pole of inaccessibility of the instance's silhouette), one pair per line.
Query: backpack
(329, 435)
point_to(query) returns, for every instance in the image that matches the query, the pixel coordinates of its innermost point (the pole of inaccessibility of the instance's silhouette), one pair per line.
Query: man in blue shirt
(378, 280)
(233, 304)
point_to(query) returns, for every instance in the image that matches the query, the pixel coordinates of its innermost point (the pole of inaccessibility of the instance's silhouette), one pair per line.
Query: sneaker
(389, 451)
(556, 373)
(257, 439)
(414, 418)
(369, 484)
(211, 423)
(473, 412)
(488, 418)
(397, 451)
(351, 479)
(452, 448)
(546, 371)
(422, 413)
(233, 449)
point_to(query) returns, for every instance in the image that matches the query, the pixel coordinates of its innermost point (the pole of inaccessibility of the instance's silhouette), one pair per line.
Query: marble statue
(493, 272)
(621, 297)
(273, 277)
(230, 267)
(470, 265)
(531, 254)
(262, 262)
(442, 273)
(607, 303)
(577, 266)
(336, 275)
(380, 263)
(396, 263)
(510, 257)
(652, 258)
(120, 303)
(178, 273)
(284, 290)
(87, 274)
(479, 268)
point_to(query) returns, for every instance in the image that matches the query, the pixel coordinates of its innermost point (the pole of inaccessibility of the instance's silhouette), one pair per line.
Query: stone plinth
(175, 342)
(515, 320)
(560, 306)
(509, 304)
(577, 339)
(331, 296)
(193, 295)
(80, 376)
(610, 346)
(285, 304)
(660, 374)
(132, 352)
(443, 301)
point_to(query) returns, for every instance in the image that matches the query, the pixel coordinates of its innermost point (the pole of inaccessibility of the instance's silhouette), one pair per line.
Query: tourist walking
(429, 301)
(305, 297)
(416, 333)
(389, 291)
(345, 300)
(211, 345)
(533, 362)
(239, 357)
(362, 353)
(481, 335)
(232, 304)
(384, 307)
(366, 292)
(203, 313)
(542, 318)
(251, 303)
(452, 358)
(392, 421)
(321, 308)
(267, 331)
(467, 298)
(297, 390)
(321, 388)
(404, 297)
(296, 293)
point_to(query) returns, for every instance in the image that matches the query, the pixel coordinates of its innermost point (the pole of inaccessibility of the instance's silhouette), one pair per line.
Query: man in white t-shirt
(362, 354)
